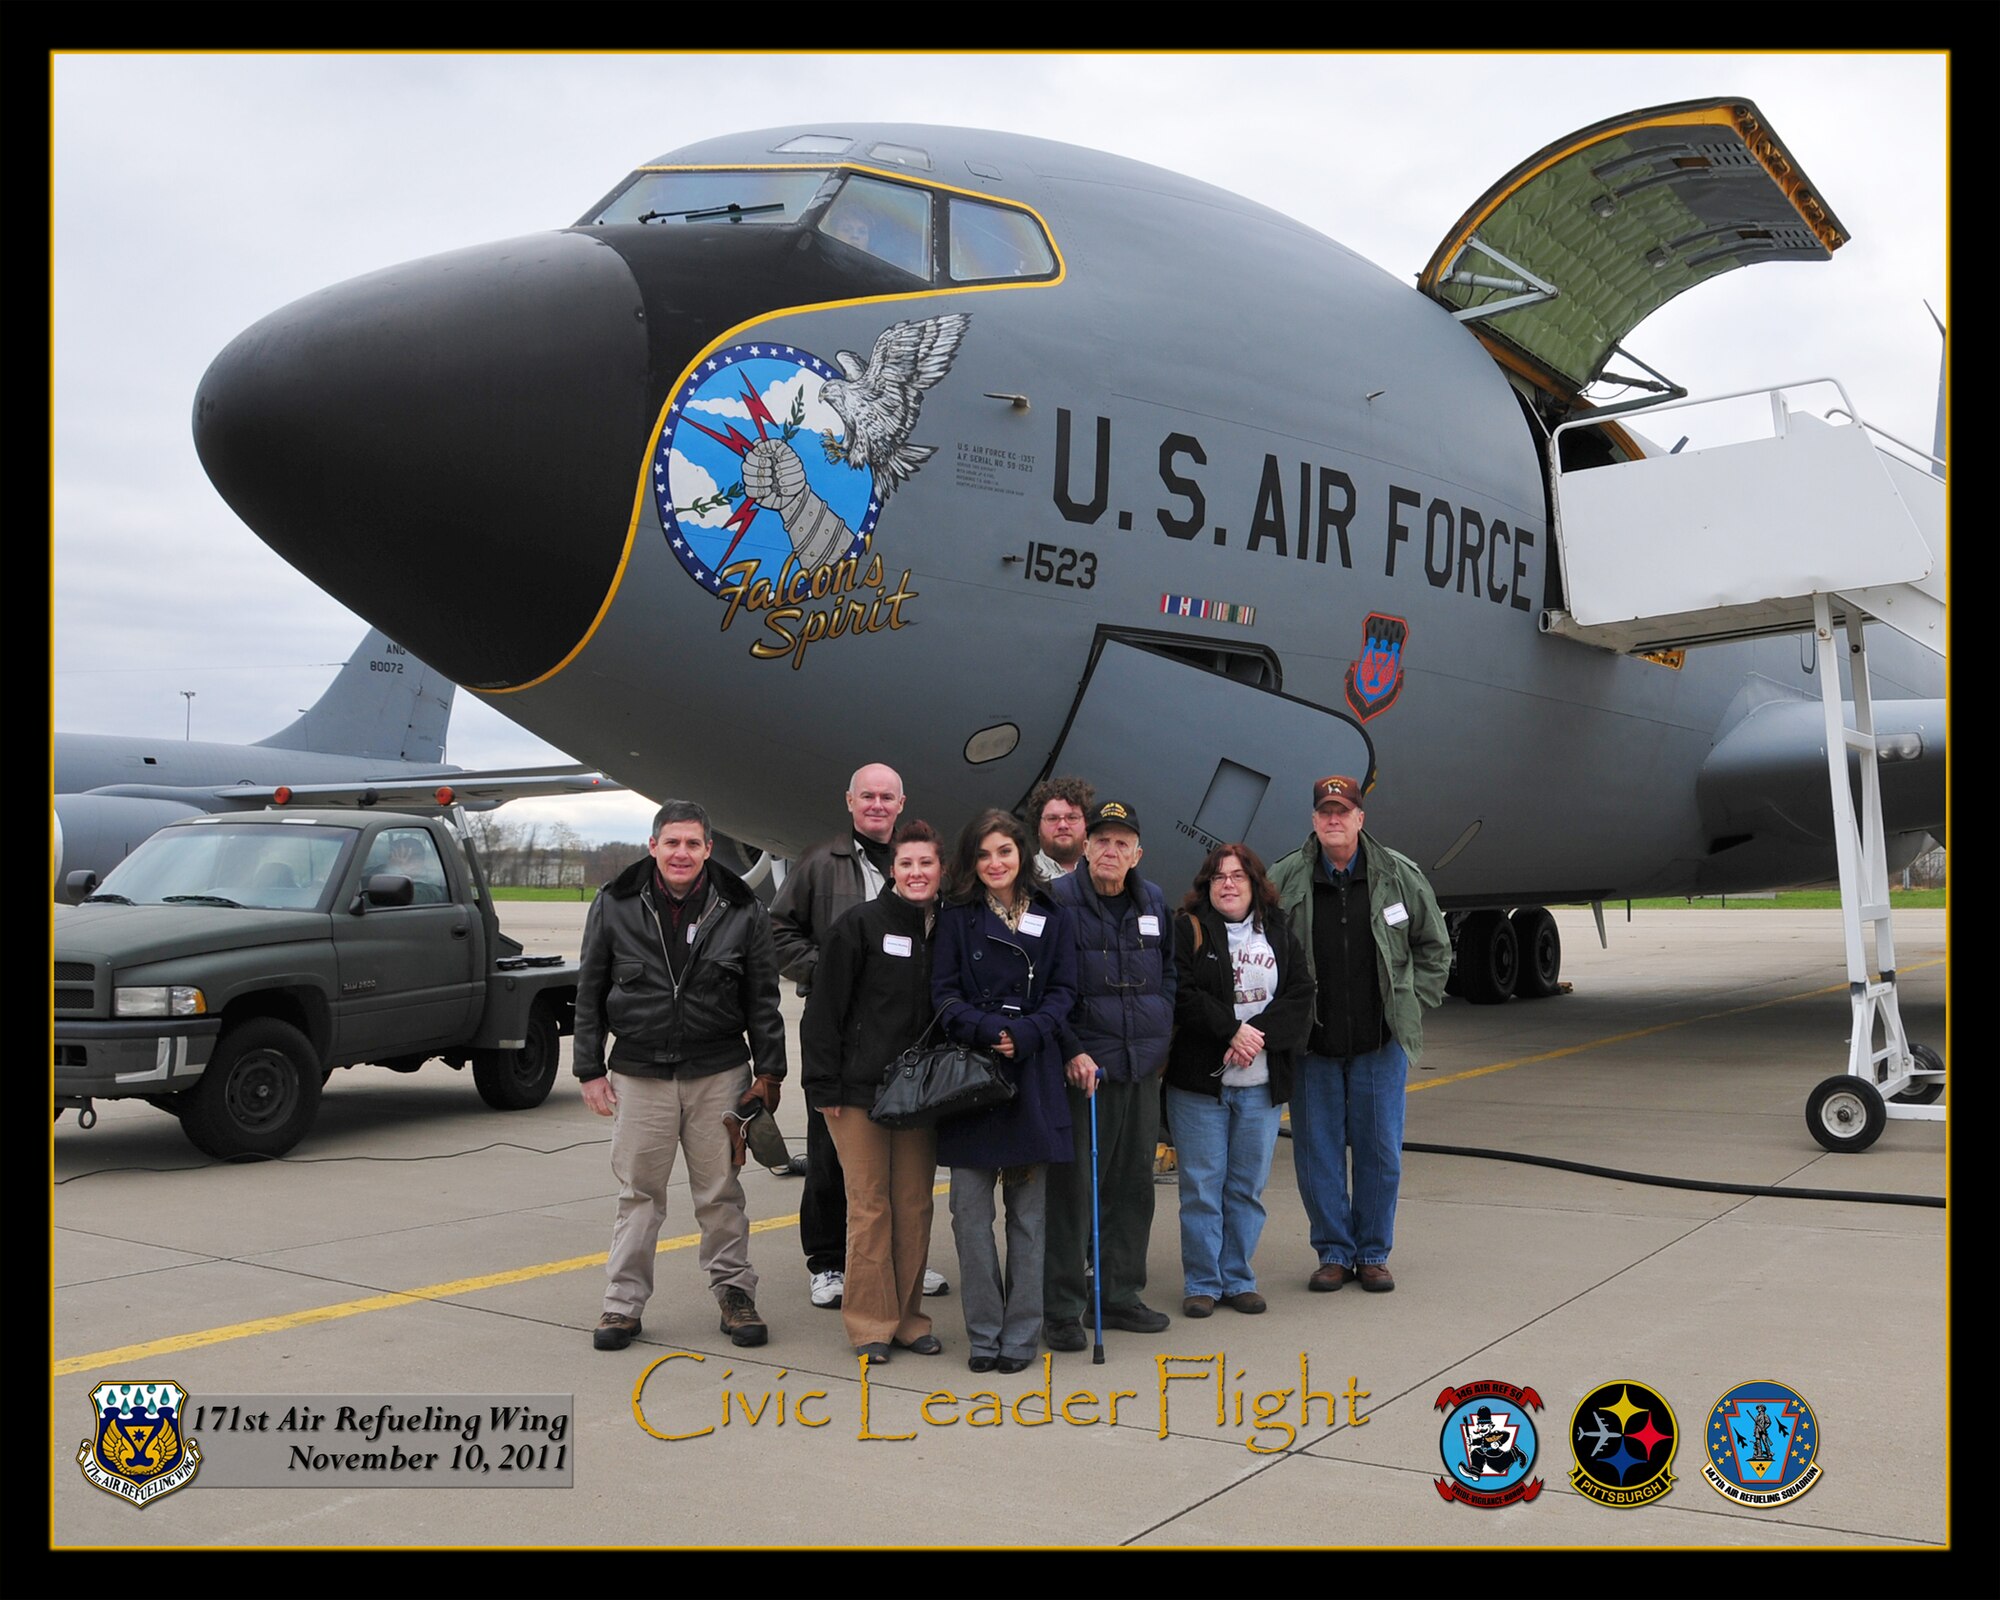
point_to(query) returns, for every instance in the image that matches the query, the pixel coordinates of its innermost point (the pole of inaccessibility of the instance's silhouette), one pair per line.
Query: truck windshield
(261, 867)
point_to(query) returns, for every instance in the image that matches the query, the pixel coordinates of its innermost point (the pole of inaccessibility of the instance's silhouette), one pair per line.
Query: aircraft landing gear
(1496, 956)
(1487, 953)
(1541, 953)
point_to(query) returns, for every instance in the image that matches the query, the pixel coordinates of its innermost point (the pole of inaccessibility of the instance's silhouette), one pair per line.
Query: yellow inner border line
(151, 1349)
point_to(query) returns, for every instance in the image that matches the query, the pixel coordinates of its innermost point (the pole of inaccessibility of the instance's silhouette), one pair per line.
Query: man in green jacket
(1380, 954)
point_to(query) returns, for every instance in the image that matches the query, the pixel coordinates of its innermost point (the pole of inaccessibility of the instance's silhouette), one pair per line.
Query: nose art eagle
(878, 403)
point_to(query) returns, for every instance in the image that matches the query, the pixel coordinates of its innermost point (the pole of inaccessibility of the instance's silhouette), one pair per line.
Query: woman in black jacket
(1242, 1010)
(870, 1001)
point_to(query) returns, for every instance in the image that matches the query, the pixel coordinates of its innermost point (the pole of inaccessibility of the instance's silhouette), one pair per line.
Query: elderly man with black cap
(1114, 1048)
(1380, 953)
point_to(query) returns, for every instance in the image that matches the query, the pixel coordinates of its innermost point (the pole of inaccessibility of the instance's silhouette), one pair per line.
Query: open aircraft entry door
(1206, 758)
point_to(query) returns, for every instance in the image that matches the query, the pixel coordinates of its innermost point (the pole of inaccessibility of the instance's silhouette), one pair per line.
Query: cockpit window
(992, 242)
(711, 199)
(888, 220)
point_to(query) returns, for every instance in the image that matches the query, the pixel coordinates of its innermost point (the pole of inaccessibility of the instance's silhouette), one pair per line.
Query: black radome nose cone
(450, 447)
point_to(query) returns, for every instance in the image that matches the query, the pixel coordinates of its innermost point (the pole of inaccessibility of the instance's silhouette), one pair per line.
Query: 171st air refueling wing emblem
(138, 1450)
(1488, 1444)
(1762, 1441)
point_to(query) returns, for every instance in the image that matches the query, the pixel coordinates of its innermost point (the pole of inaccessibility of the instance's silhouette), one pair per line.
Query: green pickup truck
(231, 962)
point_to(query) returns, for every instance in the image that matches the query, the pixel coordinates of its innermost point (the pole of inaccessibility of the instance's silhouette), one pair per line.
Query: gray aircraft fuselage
(1211, 507)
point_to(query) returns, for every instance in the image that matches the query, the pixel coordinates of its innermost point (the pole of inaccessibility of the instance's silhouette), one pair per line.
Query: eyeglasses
(1237, 878)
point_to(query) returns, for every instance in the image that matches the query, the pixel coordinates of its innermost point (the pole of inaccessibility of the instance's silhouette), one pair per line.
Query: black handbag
(929, 1082)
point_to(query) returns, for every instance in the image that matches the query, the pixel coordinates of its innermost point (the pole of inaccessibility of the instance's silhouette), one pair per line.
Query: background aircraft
(988, 456)
(379, 724)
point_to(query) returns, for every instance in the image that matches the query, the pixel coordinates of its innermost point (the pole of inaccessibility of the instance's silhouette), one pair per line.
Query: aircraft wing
(477, 791)
(1574, 248)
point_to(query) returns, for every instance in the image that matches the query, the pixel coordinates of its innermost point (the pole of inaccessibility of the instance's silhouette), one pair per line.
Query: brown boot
(740, 1320)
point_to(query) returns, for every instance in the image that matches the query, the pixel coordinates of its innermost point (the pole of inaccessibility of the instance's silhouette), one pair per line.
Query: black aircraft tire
(1846, 1114)
(1541, 947)
(520, 1080)
(1923, 1094)
(259, 1096)
(1489, 958)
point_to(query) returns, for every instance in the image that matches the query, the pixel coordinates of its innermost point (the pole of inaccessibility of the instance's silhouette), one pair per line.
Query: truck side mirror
(80, 883)
(383, 889)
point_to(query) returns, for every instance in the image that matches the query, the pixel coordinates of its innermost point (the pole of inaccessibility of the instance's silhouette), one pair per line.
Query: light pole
(187, 733)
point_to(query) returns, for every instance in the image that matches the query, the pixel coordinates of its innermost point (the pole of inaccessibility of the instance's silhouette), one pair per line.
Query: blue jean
(1357, 1104)
(1223, 1149)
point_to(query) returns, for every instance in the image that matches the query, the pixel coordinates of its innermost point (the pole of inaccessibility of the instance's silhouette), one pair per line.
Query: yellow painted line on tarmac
(1641, 1033)
(393, 1300)
(153, 1348)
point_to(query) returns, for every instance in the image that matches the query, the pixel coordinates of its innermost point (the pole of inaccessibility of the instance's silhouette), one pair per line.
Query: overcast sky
(196, 193)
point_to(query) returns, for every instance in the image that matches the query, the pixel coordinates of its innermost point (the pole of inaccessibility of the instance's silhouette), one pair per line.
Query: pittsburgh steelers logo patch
(1623, 1437)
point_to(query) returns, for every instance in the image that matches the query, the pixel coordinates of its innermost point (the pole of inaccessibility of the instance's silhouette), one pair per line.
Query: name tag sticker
(1033, 922)
(1395, 915)
(1149, 927)
(895, 944)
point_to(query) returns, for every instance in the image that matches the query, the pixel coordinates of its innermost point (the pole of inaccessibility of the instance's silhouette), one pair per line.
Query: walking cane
(1096, 1249)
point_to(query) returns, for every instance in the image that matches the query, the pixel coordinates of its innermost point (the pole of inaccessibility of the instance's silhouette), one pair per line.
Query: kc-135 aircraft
(991, 457)
(376, 733)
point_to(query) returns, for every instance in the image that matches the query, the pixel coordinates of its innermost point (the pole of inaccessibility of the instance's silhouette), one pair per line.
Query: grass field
(1792, 900)
(503, 892)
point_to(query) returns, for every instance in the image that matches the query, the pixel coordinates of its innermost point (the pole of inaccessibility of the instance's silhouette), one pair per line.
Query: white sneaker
(935, 1283)
(827, 1289)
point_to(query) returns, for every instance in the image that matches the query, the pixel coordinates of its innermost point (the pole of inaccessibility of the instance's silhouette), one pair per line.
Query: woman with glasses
(1242, 1009)
(1003, 978)
(870, 1001)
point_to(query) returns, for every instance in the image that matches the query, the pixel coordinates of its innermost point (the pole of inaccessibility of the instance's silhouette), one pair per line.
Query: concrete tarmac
(417, 1244)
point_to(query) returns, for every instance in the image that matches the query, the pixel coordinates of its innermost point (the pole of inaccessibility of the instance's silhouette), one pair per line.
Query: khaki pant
(656, 1117)
(890, 1177)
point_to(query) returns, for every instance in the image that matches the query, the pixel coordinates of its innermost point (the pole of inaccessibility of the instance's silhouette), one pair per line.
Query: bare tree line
(544, 855)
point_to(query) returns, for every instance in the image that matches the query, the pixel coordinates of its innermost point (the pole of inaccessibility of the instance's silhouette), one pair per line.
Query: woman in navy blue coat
(1004, 978)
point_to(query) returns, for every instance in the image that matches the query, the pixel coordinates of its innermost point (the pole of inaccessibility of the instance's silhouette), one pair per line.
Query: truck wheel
(519, 1080)
(259, 1095)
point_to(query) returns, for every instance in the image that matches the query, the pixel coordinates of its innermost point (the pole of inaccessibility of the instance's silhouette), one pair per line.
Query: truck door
(412, 978)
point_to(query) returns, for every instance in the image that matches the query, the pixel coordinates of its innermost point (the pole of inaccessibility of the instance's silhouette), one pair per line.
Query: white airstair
(1814, 527)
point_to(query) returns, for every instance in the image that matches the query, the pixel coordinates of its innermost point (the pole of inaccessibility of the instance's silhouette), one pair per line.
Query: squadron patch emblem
(138, 1450)
(1623, 1437)
(1488, 1444)
(1762, 1442)
(1375, 677)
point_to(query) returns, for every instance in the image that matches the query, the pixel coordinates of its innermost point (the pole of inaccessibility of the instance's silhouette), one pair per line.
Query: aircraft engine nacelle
(95, 832)
(750, 863)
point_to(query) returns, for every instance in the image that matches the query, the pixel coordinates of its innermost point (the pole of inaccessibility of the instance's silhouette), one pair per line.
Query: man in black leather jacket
(679, 970)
